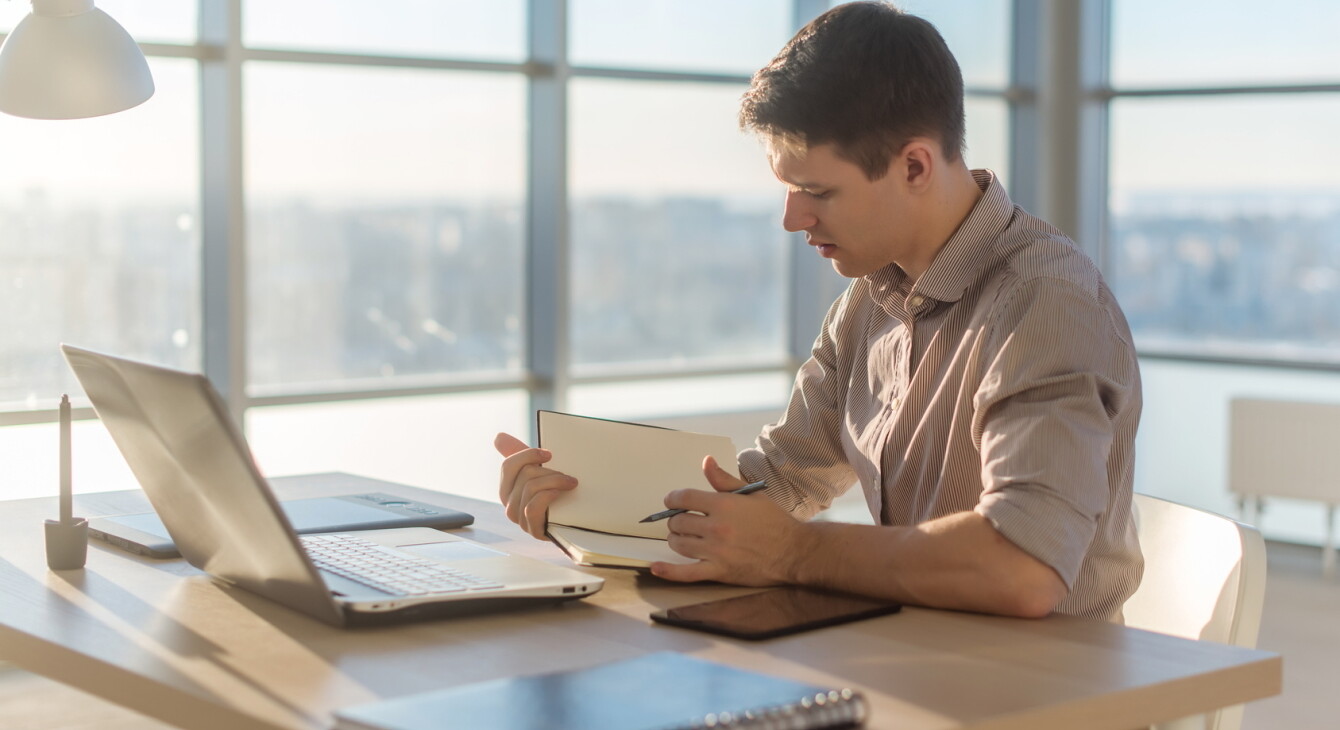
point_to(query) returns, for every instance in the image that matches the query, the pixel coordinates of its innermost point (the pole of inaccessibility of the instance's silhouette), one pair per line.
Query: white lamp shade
(68, 60)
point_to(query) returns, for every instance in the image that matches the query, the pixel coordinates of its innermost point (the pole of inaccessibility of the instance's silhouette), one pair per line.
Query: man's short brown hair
(865, 77)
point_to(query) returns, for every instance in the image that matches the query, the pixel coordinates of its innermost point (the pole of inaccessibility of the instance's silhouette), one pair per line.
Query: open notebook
(623, 470)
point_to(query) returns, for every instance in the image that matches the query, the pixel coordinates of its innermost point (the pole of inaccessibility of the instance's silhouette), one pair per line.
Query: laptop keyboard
(387, 569)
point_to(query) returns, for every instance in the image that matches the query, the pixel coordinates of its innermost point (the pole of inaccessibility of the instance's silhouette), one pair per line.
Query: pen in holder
(66, 538)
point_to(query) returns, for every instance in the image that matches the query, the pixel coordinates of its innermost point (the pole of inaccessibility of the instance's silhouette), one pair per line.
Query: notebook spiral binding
(824, 710)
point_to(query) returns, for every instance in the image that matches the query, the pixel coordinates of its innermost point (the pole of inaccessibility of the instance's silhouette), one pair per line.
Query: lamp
(68, 60)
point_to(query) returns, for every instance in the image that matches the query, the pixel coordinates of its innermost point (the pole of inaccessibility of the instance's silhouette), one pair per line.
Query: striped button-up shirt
(1003, 380)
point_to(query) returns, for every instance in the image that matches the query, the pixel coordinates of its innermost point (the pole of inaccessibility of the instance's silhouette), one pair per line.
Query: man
(977, 378)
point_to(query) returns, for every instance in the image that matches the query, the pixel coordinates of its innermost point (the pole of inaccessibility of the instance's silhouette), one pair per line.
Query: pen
(66, 498)
(746, 489)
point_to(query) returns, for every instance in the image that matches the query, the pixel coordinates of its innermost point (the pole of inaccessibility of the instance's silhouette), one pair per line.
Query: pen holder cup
(67, 544)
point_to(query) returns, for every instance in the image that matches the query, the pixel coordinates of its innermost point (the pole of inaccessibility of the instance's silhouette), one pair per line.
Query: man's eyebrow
(801, 184)
(798, 184)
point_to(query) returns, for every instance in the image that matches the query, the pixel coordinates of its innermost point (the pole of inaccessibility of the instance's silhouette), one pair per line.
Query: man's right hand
(528, 487)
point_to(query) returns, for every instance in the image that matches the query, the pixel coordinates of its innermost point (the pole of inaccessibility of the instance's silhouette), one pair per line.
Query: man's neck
(947, 207)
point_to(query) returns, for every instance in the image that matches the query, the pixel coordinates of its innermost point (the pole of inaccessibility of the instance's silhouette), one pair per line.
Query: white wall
(1182, 448)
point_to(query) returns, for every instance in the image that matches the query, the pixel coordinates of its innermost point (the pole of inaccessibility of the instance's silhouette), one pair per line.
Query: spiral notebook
(660, 691)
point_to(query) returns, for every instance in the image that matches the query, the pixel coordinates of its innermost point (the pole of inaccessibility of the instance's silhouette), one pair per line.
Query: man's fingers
(687, 573)
(512, 467)
(690, 546)
(535, 515)
(688, 524)
(516, 454)
(535, 483)
(692, 499)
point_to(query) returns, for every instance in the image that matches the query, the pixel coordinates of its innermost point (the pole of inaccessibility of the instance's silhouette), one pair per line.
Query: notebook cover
(652, 692)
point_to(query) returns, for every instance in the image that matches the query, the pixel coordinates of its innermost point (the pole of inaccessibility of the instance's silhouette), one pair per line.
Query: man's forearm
(958, 562)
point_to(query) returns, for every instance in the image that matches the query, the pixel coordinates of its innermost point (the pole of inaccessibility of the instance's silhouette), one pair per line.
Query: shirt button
(916, 300)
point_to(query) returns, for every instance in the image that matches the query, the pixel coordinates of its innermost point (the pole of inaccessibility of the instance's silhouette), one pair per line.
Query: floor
(1301, 621)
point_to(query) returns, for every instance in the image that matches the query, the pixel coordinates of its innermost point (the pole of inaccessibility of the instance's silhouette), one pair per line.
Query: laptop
(174, 431)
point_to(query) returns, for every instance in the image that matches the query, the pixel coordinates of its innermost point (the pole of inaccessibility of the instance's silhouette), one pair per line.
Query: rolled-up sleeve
(1045, 416)
(801, 456)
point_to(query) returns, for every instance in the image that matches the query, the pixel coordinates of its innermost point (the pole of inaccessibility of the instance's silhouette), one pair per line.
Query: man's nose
(796, 215)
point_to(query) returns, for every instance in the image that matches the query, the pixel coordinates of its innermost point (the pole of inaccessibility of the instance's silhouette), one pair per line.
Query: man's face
(858, 224)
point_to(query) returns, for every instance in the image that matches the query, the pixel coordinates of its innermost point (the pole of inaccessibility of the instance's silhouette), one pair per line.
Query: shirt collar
(955, 266)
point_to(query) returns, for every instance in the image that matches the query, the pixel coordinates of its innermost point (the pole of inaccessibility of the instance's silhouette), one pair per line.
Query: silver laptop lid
(193, 463)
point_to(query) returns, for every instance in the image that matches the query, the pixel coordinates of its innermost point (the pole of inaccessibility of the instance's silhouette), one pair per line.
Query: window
(678, 35)
(466, 29)
(1223, 198)
(678, 255)
(1209, 44)
(384, 210)
(1224, 226)
(147, 21)
(383, 227)
(102, 244)
(678, 260)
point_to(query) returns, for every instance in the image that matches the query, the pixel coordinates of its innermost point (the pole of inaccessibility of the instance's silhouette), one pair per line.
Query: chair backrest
(1205, 574)
(1205, 578)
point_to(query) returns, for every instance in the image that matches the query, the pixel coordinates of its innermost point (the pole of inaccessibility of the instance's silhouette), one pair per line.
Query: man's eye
(818, 194)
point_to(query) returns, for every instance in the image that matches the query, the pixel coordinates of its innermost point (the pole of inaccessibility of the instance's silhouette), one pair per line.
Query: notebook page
(624, 470)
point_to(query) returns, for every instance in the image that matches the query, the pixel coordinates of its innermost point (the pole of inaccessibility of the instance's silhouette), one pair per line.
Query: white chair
(1205, 578)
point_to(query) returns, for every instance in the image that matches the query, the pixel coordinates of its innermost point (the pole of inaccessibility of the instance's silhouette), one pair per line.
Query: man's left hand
(739, 539)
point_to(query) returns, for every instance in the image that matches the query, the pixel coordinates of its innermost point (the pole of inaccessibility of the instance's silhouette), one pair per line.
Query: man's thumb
(720, 479)
(507, 444)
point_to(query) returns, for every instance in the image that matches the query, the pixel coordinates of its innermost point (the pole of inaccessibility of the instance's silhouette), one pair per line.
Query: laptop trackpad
(455, 550)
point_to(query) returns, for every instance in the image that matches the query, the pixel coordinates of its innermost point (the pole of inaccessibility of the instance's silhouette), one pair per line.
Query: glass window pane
(147, 21)
(988, 121)
(31, 455)
(439, 442)
(491, 31)
(678, 254)
(385, 224)
(101, 243)
(649, 399)
(1223, 42)
(1216, 248)
(977, 33)
(739, 36)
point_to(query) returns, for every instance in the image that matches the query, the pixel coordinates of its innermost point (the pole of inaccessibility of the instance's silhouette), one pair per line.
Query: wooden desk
(158, 637)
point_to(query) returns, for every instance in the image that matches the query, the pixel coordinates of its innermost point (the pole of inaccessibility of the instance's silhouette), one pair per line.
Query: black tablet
(775, 612)
(144, 533)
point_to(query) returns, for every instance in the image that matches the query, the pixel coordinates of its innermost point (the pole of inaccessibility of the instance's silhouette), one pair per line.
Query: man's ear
(918, 163)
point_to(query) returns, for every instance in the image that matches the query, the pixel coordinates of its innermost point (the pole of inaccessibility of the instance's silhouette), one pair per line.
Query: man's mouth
(825, 249)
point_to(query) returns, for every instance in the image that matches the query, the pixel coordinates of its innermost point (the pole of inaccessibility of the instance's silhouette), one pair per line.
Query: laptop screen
(195, 467)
